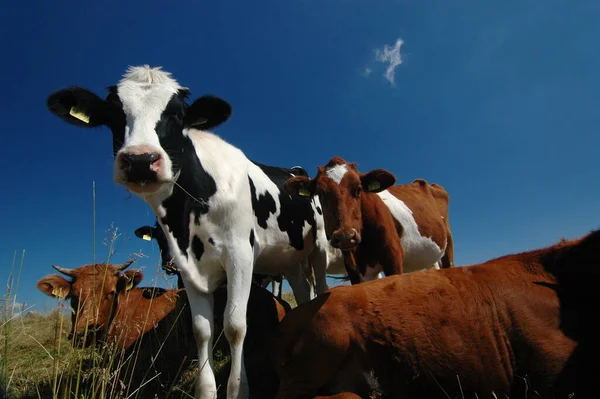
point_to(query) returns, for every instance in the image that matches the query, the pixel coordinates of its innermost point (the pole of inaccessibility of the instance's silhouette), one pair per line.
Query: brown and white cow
(155, 323)
(499, 328)
(379, 226)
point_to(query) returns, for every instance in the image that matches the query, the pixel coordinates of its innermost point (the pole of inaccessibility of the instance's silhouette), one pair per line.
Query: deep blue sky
(498, 103)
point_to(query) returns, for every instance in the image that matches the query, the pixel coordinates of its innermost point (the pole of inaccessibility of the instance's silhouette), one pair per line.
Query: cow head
(340, 187)
(156, 232)
(93, 291)
(150, 122)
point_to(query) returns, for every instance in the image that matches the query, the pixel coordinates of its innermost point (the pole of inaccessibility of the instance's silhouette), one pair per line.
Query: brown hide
(494, 328)
(358, 222)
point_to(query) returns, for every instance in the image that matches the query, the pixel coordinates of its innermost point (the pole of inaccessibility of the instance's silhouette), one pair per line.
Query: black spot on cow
(197, 247)
(294, 213)
(319, 210)
(252, 238)
(211, 241)
(198, 183)
(263, 205)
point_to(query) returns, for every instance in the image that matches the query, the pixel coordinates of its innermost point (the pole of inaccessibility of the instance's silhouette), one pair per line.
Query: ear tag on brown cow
(129, 285)
(58, 292)
(79, 115)
(304, 192)
(200, 121)
(374, 185)
(147, 237)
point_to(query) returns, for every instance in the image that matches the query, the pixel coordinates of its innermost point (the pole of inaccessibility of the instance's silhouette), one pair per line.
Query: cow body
(380, 227)
(491, 329)
(223, 215)
(155, 232)
(155, 325)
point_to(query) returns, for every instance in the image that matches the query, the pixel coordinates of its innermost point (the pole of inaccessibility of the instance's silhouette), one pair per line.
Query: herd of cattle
(516, 326)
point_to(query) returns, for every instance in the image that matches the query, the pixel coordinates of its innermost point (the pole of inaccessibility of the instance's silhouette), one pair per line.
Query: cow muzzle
(141, 168)
(87, 337)
(345, 239)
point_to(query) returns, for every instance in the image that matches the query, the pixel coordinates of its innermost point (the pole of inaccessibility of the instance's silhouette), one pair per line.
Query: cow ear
(129, 280)
(79, 107)
(298, 186)
(55, 286)
(207, 112)
(377, 180)
(145, 233)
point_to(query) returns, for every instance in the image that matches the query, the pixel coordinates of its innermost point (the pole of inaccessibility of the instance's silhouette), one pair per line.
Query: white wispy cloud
(388, 55)
(392, 56)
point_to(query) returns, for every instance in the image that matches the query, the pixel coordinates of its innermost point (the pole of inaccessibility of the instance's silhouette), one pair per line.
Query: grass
(37, 360)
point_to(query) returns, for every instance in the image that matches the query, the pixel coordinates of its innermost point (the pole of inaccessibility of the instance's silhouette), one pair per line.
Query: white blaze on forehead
(337, 172)
(145, 93)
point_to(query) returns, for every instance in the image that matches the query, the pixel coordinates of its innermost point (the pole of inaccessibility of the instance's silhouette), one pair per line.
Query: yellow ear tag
(147, 237)
(129, 285)
(200, 122)
(79, 115)
(304, 192)
(58, 292)
(374, 185)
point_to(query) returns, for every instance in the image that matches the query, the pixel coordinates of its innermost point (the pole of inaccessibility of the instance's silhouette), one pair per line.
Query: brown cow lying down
(108, 305)
(493, 328)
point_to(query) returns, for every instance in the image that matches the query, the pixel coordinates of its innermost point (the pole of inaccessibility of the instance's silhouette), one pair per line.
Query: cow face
(150, 121)
(148, 233)
(93, 291)
(341, 187)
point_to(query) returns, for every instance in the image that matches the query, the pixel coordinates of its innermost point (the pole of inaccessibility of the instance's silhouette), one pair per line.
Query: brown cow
(156, 324)
(498, 328)
(380, 227)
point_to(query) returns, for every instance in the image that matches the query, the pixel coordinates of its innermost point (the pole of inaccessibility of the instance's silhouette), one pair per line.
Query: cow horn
(123, 266)
(65, 271)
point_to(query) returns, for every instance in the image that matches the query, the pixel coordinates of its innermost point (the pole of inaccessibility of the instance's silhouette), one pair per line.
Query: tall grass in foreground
(37, 360)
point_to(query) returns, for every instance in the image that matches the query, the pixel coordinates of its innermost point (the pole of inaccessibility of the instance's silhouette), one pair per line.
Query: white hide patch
(419, 252)
(145, 93)
(337, 172)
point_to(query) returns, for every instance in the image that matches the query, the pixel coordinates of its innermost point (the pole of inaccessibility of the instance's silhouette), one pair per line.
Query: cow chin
(345, 246)
(81, 340)
(145, 187)
(152, 185)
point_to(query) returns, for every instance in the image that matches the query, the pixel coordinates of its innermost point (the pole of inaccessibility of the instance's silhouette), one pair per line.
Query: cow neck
(194, 188)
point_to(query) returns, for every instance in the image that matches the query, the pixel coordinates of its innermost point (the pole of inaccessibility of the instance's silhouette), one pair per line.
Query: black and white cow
(223, 215)
(148, 233)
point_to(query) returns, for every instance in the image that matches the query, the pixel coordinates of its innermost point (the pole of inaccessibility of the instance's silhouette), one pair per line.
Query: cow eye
(356, 191)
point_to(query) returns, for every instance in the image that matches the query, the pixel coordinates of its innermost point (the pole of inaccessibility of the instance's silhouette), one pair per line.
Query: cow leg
(276, 288)
(239, 273)
(392, 260)
(448, 258)
(201, 306)
(319, 260)
(301, 287)
(351, 267)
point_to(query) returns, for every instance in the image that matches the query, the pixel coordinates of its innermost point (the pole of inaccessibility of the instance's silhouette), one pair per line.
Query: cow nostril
(139, 160)
(153, 157)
